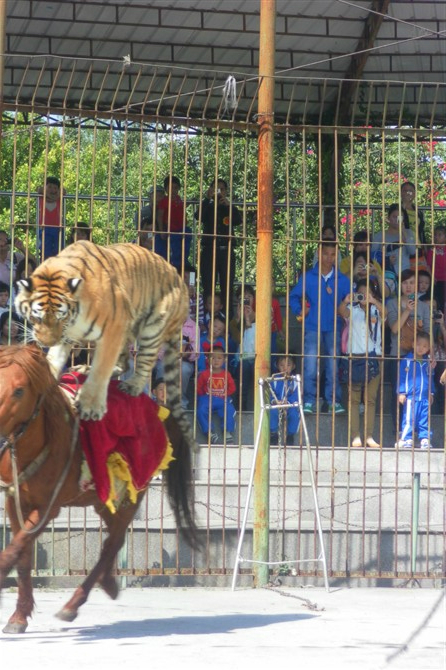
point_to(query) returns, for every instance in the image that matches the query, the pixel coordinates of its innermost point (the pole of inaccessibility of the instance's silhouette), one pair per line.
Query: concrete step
(326, 430)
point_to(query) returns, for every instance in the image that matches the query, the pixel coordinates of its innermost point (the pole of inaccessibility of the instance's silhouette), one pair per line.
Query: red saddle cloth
(131, 427)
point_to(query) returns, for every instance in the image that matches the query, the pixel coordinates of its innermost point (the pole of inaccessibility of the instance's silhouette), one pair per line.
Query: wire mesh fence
(175, 170)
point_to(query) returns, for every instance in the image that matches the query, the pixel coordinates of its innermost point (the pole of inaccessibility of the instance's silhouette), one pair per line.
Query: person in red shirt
(171, 225)
(214, 388)
(51, 234)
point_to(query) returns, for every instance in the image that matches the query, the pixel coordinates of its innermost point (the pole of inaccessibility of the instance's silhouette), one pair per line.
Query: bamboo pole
(264, 267)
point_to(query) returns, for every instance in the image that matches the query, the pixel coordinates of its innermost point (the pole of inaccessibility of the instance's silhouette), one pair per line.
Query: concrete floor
(198, 628)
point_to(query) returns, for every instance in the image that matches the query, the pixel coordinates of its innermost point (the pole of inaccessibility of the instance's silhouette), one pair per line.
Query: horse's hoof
(15, 628)
(66, 615)
(111, 588)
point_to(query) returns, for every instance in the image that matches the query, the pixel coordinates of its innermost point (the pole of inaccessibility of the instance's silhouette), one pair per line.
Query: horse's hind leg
(117, 525)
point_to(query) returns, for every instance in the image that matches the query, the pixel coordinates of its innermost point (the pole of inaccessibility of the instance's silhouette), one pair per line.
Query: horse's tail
(178, 477)
(173, 390)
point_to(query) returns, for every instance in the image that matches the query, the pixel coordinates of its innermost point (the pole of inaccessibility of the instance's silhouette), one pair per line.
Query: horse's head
(23, 376)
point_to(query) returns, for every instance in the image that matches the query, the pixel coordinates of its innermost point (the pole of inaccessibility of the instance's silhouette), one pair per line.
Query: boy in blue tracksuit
(316, 297)
(284, 391)
(416, 393)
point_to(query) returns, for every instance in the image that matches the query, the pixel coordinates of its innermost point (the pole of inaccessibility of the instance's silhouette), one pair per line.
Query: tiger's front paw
(133, 386)
(91, 406)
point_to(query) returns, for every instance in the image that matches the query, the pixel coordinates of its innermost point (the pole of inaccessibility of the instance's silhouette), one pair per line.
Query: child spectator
(11, 328)
(189, 355)
(213, 305)
(362, 270)
(81, 231)
(196, 305)
(145, 235)
(51, 238)
(405, 315)
(284, 392)
(9, 258)
(436, 258)
(4, 297)
(416, 393)
(361, 244)
(146, 218)
(245, 342)
(246, 294)
(208, 341)
(214, 388)
(159, 391)
(317, 297)
(425, 289)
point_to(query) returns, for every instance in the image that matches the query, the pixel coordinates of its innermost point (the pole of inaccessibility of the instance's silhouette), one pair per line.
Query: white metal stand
(277, 407)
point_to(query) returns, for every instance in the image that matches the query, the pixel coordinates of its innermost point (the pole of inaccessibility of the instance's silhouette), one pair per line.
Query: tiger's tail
(173, 390)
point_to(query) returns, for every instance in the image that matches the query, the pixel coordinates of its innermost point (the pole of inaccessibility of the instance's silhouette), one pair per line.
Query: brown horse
(40, 455)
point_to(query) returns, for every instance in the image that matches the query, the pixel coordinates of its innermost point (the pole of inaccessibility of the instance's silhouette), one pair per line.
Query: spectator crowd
(375, 314)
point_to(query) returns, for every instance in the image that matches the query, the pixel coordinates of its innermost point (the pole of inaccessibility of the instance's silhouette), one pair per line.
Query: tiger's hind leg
(150, 338)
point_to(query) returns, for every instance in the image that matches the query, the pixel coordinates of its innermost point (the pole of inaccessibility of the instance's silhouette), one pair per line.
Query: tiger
(109, 296)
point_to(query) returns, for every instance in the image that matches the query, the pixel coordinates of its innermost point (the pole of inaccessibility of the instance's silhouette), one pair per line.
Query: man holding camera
(218, 217)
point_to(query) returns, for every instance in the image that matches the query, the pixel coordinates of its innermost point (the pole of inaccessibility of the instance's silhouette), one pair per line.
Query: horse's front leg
(19, 554)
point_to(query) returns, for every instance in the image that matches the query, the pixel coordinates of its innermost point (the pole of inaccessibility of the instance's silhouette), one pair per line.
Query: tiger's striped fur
(110, 296)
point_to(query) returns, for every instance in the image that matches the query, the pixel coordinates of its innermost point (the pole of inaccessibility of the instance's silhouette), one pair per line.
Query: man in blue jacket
(316, 298)
(416, 393)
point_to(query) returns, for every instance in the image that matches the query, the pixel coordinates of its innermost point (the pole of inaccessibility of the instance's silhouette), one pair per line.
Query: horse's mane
(34, 364)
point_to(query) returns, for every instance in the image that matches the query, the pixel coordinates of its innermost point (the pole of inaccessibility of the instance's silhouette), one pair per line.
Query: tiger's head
(50, 302)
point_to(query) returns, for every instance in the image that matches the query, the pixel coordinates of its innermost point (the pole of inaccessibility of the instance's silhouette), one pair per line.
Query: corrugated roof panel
(53, 11)
(96, 13)
(315, 37)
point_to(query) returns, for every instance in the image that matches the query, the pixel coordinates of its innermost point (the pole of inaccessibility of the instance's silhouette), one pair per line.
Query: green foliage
(107, 173)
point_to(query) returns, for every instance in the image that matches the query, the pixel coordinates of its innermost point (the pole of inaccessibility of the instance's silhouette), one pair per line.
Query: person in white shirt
(365, 314)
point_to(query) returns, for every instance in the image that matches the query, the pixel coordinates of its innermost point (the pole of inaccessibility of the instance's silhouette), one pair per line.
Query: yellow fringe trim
(163, 413)
(118, 471)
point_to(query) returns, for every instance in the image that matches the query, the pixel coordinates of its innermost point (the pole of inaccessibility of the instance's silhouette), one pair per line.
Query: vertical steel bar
(415, 515)
(264, 266)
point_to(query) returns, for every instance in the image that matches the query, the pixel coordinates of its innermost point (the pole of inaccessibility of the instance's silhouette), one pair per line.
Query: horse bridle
(9, 443)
